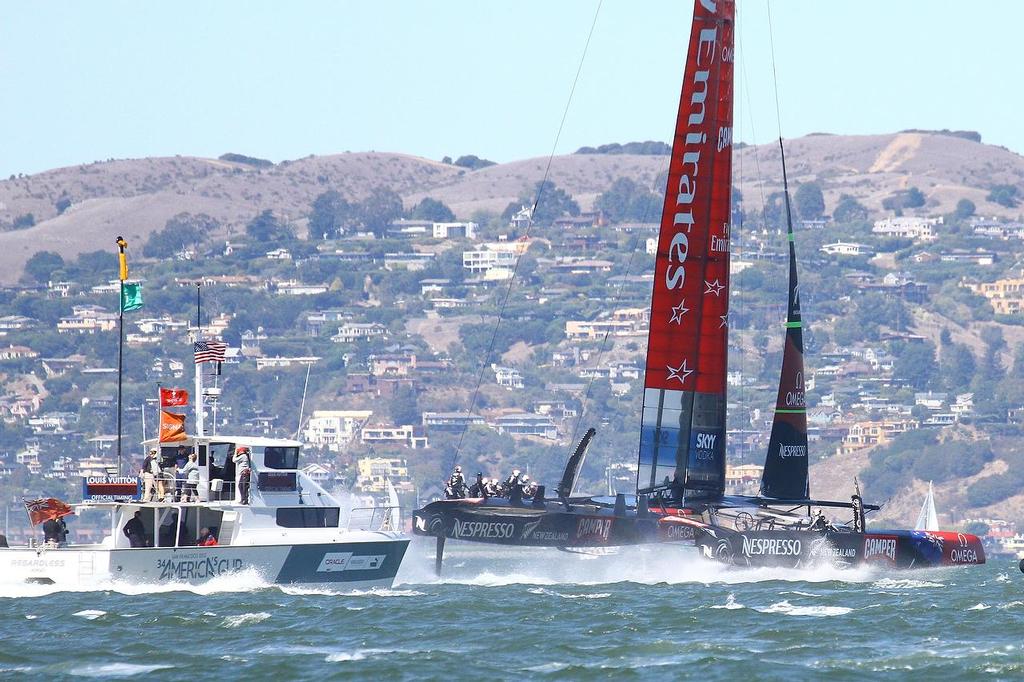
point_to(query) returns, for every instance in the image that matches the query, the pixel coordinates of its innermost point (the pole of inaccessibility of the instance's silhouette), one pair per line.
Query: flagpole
(122, 276)
(198, 367)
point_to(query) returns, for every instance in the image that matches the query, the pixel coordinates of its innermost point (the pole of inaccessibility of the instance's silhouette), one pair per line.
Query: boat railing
(372, 518)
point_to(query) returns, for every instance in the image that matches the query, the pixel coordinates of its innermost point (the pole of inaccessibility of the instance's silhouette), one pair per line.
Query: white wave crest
(108, 670)
(90, 614)
(904, 584)
(980, 606)
(730, 603)
(788, 609)
(245, 619)
(553, 593)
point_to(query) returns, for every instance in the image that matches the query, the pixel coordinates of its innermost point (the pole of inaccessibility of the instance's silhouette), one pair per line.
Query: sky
(81, 81)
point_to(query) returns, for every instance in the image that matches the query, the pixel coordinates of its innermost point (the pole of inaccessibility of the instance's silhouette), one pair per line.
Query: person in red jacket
(206, 538)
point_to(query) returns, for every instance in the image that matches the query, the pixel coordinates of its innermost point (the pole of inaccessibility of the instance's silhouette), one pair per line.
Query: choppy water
(533, 613)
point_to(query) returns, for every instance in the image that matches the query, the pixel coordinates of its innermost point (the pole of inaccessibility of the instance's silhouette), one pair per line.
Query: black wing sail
(785, 465)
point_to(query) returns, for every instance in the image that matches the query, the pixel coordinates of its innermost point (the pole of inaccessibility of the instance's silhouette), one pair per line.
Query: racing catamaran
(682, 432)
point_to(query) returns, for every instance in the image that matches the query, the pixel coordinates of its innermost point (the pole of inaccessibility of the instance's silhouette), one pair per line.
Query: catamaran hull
(795, 549)
(526, 526)
(357, 565)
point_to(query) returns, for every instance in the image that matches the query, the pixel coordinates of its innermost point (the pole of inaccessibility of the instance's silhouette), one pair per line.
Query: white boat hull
(337, 565)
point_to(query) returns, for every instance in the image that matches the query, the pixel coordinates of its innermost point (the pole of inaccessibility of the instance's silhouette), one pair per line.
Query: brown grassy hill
(136, 196)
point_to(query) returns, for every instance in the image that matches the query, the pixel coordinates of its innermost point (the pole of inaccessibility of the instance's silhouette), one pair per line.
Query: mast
(199, 370)
(785, 466)
(682, 430)
(122, 275)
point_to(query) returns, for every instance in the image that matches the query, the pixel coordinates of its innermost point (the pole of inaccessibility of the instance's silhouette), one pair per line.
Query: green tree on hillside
(810, 202)
(554, 203)
(849, 210)
(41, 266)
(266, 227)
(964, 209)
(331, 214)
(627, 200)
(380, 209)
(432, 209)
(182, 230)
(1004, 195)
(957, 367)
(915, 364)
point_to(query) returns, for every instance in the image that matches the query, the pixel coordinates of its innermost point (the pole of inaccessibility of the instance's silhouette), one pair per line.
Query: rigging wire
(529, 227)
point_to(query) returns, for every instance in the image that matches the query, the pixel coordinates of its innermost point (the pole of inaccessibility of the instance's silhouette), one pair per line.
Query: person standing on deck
(150, 470)
(191, 471)
(243, 474)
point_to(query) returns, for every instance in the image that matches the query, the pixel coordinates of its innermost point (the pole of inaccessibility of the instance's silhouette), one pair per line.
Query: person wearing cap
(456, 485)
(150, 471)
(243, 473)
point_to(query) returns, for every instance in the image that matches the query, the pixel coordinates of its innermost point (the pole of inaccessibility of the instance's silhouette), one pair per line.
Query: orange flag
(45, 509)
(172, 427)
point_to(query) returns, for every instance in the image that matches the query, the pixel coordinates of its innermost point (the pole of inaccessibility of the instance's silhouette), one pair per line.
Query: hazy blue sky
(83, 81)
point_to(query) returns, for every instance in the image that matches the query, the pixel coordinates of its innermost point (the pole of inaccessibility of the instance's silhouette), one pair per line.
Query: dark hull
(584, 525)
(801, 548)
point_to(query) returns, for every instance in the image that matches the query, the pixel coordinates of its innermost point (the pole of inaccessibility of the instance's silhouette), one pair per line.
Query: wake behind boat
(290, 532)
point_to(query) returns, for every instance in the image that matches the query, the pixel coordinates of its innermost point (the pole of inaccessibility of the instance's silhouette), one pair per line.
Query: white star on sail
(725, 320)
(680, 372)
(714, 287)
(678, 312)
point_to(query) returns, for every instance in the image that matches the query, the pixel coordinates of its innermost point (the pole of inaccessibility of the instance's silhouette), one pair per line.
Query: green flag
(131, 297)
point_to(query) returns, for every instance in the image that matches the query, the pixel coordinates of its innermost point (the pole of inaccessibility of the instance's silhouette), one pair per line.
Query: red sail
(684, 400)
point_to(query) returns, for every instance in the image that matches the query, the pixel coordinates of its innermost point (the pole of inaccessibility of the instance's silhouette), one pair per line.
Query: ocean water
(539, 614)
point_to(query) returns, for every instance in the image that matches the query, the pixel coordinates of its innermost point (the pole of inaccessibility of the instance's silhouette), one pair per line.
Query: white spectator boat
(292, 531)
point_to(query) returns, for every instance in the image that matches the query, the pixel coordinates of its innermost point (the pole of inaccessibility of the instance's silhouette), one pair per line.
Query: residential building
(392, 365)
(374, 472)
(454, 230)
(350, 332)
(509, 377)
(847, 249)
(907, 227)
(410, 261)
(333, 429)
(407, 436)
(525, 424)
(451, 421)
(280, 361)
(17, 353)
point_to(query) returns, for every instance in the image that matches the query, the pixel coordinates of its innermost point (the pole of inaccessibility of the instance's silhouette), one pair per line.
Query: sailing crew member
(135, 531)
(191, 471)
(491, 487)
(478, 489)
(456, 485)
(243, 474)
(820, 524)
(180, 476)
(149, 472)
(514, 487)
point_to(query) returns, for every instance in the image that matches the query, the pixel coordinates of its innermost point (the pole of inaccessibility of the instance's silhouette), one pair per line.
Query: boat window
(281, 457)
(221, 465)
(277, 481)
(308, 517)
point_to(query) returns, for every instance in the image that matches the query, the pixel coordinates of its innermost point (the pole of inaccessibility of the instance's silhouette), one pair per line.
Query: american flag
(209, 351)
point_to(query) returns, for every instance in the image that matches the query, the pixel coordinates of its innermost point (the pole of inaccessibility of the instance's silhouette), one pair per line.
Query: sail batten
(682, 441)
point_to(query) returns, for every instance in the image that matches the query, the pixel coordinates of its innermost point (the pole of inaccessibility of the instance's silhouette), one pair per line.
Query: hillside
(134, 197)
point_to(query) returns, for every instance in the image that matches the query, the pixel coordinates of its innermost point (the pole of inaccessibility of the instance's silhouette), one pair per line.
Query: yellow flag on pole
(122, 259)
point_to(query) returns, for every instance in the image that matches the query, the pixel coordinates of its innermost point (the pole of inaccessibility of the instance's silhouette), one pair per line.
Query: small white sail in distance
(394, 509)
(928, 519)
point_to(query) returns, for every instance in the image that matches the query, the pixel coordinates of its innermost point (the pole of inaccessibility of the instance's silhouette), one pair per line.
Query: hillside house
(374, 472)
(508, 377)
(868, 433)
(392, 365)
(521, 219)
(279, 361)
(406, 436)
(350, 332)
(16, 323)
(847, 249)
(525, 424)
(451, 421)
(87, 319)
(409, 261)
(293, 287)
(17, 353)
(333, 429)
(908, 227)
(933, 401)
(978, 257)
(454, 230)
